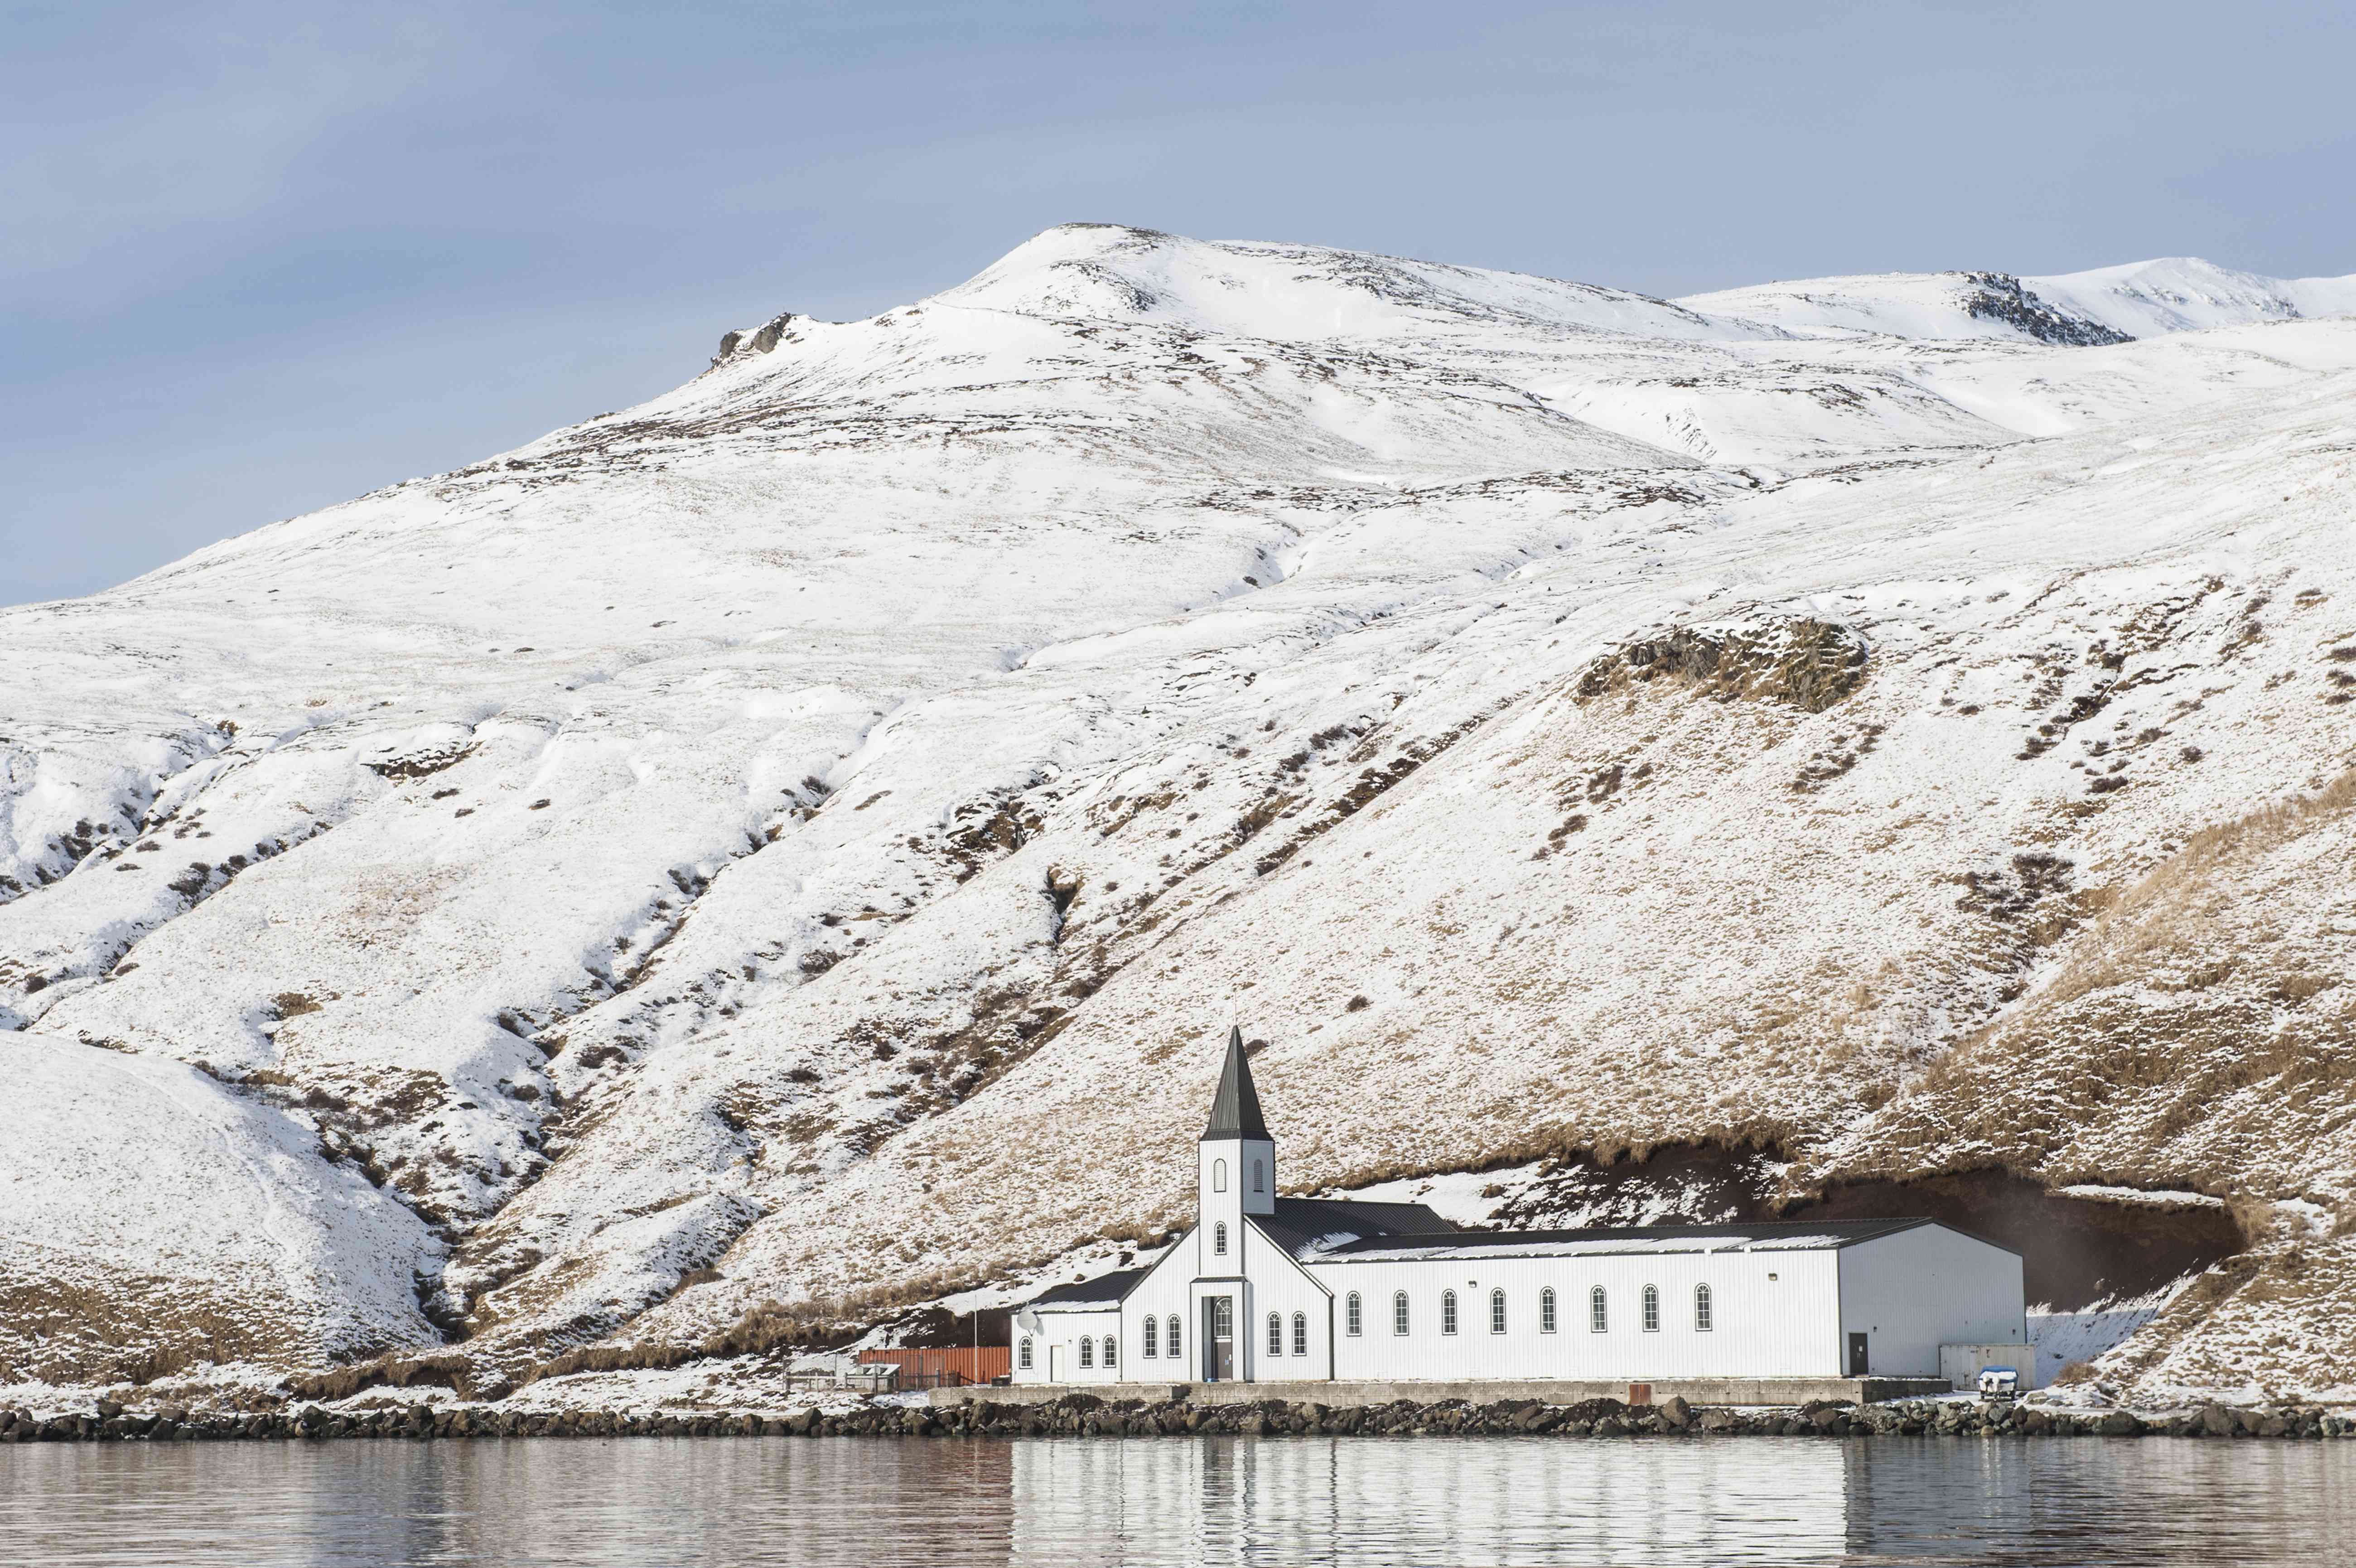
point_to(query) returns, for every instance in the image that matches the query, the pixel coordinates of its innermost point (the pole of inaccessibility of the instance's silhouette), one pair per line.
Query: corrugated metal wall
(1913, 1292)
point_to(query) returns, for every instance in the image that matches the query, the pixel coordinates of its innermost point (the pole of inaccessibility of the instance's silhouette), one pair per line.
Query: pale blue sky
(261, 256)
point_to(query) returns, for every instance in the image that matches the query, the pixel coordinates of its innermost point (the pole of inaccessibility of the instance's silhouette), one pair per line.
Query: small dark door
(1218, 1338)
(1860, 1362)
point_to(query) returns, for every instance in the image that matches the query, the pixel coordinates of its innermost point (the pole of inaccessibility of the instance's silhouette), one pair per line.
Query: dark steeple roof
(1235, 1113)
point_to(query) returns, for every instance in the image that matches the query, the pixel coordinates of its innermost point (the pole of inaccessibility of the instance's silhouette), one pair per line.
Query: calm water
(1079, 1502)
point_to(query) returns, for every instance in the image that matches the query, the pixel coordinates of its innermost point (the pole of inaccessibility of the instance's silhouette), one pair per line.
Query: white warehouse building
(1270, 1289)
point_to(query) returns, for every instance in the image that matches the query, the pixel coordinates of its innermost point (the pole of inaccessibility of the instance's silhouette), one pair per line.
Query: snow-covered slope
(1930, 305)
(2184, 294)
(789, 849)
(2142, 299)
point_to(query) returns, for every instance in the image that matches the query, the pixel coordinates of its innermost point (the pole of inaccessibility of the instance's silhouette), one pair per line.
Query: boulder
(2118, 1423)
(1675, 1412)
(2216, 1420)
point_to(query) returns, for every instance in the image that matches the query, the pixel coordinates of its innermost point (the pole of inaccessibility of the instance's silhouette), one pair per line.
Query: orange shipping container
(967, 1362)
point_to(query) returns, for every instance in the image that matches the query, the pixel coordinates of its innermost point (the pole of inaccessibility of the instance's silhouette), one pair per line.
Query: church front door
(1218, 1338)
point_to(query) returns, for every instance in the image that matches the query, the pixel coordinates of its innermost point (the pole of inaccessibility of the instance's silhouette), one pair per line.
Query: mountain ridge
(774, 853)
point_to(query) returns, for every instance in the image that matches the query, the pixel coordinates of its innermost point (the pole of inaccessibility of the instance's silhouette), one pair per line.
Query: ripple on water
(1076, 1503)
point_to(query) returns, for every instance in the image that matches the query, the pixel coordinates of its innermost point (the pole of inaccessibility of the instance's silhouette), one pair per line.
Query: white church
(1269, 1289)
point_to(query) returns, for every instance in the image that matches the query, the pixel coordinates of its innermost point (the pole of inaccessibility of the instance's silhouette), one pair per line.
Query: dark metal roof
(1307, 1227)
(1783, 1235)
(1235, 1111)
(1102, 1291)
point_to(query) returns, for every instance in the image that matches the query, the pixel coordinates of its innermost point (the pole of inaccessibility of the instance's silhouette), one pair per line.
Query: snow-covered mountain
(791, 848)
(2185, 294)
(2109, 305)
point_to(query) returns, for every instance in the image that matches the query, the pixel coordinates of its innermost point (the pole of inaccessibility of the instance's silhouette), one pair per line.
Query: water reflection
(1079, 1503)
(1472, 1500)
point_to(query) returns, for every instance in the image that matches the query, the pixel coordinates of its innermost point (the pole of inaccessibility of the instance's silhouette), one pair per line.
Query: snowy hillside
(2183, 293)
(791, 848)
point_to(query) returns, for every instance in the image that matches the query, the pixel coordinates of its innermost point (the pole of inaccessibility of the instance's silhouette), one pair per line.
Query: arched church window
(1219, 1239)
(1599, 1320)
(1652, 1310)
(1496, 1312)
(1259, 1176)
(1111, 1358)
(1545, 1310)
(1087, 1351)
(1448, 1312)
(1276, 1334)
(1022, 1353)
(1702, 1317)
(1398, 1312)
(1218, 1176)
(1223, 1317)
(1153, 1334)
(1174, 1334)
(1354, 1315)
(1300, 1333)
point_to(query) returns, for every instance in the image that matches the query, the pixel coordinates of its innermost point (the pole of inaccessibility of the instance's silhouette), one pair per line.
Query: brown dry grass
(2193, 987)
(2162, 915)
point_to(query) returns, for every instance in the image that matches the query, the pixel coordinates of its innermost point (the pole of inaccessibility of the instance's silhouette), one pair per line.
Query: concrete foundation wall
(1552, 1391)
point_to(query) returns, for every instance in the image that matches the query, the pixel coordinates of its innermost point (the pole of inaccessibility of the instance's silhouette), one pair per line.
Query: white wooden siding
(1164, 1292)
(1056, 1348)
(1282, 1285)
(1773, 1313)
(1762, 1327)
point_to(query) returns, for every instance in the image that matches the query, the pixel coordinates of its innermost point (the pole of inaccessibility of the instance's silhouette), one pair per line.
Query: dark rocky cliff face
(1999, 296)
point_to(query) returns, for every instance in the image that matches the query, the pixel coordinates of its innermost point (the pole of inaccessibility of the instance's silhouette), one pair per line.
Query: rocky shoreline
(1087, 1415)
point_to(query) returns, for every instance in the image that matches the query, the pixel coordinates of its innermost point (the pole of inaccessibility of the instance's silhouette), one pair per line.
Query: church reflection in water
(1083, 1502)
(1146, 1502)
(1434, 1500)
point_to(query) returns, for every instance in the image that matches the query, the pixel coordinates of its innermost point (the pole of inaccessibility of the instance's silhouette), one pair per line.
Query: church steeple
(1235, 1109)
(1234, 1163)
